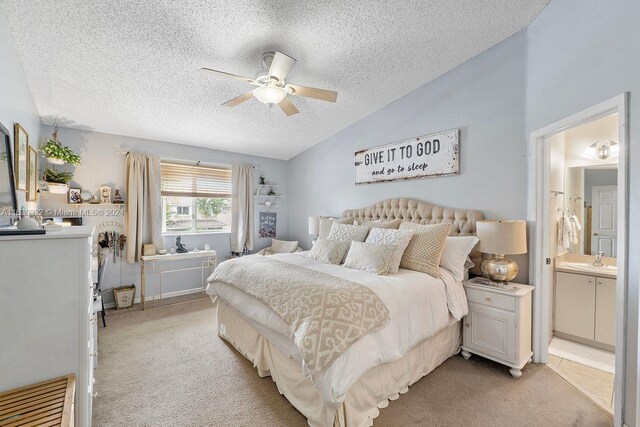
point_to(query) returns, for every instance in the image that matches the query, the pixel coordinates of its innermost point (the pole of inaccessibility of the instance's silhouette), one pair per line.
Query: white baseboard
(164, 295)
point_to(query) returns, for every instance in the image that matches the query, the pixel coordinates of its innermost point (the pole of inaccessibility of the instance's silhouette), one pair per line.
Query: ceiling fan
(272, 88)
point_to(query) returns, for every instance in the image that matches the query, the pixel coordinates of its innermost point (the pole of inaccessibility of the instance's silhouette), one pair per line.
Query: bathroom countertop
(596, 271)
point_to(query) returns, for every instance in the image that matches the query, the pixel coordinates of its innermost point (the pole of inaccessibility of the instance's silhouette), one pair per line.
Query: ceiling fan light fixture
(270, 95)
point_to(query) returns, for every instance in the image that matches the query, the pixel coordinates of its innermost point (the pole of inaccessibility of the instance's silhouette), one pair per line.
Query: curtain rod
(197, 162)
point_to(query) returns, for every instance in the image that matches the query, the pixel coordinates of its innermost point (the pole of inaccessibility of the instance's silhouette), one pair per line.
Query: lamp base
(499, 268)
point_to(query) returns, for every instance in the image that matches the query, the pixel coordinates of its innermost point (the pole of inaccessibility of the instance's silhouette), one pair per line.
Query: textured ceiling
(129, 67)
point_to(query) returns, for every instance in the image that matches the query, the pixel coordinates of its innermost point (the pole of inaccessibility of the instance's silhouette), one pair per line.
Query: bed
(347, 388)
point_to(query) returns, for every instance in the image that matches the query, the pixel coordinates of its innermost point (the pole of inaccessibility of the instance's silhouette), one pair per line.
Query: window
(196, 198)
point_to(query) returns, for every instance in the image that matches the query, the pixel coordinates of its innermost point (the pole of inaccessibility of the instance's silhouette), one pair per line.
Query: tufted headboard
(411, 210)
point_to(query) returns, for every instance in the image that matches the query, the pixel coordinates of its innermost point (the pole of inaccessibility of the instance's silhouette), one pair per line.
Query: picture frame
(104, 194)
(74, 197)
(8, 198)
(32, 175)
(20, 153)
(268, 224)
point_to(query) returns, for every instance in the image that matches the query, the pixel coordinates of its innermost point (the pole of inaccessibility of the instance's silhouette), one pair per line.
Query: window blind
(181, 180)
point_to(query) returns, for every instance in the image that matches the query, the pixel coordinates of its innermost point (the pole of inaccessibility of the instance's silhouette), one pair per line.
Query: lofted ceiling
(129, 67)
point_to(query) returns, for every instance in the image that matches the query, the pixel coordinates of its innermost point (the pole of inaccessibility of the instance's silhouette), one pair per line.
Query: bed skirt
(371, 392)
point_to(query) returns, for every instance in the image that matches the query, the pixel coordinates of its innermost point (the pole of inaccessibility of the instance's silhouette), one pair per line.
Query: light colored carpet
(167, 367)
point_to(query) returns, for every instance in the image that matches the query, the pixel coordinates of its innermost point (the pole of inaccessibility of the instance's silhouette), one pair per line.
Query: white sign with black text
(425, 156)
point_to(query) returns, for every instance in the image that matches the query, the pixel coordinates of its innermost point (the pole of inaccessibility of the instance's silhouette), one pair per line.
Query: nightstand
(498, 325)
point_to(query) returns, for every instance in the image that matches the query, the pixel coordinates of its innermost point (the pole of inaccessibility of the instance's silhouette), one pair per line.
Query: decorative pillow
(325, 224)
(395, 224)
(283, 246)
(328, 251)
(399, 238)
(369, 257)
(456, 253)
(425, 248)
(346, 232)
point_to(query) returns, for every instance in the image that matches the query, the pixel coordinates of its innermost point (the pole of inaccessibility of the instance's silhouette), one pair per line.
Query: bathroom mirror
(584, 174)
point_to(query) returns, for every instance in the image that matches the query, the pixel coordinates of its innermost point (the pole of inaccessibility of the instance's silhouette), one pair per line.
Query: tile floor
(595, 383)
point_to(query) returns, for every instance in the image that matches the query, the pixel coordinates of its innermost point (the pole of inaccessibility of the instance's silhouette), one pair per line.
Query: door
(491, 331)
(575, 304)
(603, 225)
(606, 311)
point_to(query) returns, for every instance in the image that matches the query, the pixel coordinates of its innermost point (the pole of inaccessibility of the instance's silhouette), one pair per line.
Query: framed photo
(21, 152)
(268, 222)
(8, 202)
(105, 194)
(32, 175)
(74, 196)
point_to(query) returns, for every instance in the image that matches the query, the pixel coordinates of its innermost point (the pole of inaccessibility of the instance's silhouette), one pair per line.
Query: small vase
(55, 161)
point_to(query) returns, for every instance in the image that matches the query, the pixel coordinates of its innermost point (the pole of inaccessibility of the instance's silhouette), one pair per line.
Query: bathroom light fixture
(602, 150)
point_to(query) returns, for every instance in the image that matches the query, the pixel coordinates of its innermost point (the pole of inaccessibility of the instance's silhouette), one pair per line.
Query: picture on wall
(20, 152)
(8, 202)
(32, 175)
(425, 156)
(267, 224)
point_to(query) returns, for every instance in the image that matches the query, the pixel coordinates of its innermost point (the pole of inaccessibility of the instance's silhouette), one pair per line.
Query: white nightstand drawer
(492, 299)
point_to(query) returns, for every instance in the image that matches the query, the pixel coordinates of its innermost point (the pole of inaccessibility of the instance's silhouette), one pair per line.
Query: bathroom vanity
(585, 303)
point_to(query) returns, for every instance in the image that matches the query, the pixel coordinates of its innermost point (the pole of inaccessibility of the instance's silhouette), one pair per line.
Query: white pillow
(347, 232)
(328, 251)
(283, 246)
(456, 253)
(369, 257)
(399, 238)
(325, 224)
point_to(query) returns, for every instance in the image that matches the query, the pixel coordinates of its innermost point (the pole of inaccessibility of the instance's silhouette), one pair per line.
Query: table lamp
(314, 227)
(498, 238)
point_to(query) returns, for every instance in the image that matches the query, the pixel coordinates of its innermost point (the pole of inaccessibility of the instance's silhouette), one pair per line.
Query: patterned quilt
(325, 314)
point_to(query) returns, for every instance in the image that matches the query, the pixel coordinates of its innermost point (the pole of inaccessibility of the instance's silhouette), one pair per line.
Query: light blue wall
(483, 97)
(582, 52)
(103, 163)
(16, 101)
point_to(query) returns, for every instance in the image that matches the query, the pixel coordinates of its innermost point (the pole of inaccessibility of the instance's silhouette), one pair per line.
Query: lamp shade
(314, 225)
(502, 236)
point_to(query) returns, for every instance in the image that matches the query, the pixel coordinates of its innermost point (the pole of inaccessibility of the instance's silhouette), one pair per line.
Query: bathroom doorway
(578, 207)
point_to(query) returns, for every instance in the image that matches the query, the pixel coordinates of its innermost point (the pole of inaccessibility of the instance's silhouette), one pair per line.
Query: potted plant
(58, 154)
(58, 181)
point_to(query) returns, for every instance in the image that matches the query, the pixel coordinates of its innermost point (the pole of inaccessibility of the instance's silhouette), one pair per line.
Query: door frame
(540, 223)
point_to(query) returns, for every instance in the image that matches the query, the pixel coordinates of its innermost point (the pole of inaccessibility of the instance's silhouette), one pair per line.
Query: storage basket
(124, 296)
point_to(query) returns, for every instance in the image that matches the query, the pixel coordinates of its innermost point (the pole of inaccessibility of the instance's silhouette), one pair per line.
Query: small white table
(498, 325)
(210, 259)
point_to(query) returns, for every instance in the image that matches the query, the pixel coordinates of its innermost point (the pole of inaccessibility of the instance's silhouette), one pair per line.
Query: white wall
(16, 101)
(572, 67)
(103, 163)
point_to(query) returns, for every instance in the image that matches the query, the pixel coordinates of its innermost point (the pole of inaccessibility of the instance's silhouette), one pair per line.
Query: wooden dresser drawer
(491, 299)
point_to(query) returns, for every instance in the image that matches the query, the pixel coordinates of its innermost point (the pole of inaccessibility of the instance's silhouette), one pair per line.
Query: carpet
(167, 367)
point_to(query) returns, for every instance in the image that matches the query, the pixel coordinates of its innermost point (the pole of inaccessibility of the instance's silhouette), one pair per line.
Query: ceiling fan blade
(281, 65)
(239, 100)
(288, 107)
(312, 92)
(222, 73)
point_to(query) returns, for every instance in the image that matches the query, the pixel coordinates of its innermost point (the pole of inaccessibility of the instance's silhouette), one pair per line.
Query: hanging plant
(57, 177)
(56, 153)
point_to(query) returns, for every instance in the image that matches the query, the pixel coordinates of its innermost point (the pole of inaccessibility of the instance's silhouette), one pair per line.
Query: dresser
(46, 312)
(498, 325)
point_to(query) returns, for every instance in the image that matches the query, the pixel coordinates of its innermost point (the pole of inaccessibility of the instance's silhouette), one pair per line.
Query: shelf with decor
(270, 198)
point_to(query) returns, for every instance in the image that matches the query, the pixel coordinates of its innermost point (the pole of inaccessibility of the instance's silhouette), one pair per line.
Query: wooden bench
(50, 403)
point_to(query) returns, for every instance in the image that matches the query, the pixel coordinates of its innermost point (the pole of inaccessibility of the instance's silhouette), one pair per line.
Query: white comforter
(419, 306)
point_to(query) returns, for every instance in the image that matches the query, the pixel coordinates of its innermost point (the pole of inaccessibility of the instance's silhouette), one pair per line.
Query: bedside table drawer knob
(488, 299)
(467, 324)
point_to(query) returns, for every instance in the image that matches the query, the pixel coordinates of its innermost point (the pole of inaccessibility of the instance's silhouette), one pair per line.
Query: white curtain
(144, 204)
(242, 228)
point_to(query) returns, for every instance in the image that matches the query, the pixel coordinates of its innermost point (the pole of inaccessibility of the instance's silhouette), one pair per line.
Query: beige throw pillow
(328, 251)
(325, 225)
(399, 238)
(369, 257)
(283, 246)
(395, 223)
(348, 232)
(425, 248)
